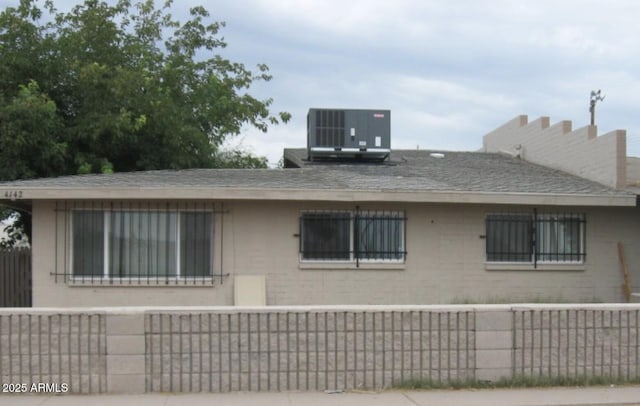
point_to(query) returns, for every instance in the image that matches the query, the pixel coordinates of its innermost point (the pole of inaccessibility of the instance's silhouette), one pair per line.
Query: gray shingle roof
(461, 171)
(406, 171)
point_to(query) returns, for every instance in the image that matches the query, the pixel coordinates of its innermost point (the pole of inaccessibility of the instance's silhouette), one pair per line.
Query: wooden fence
(15, 277)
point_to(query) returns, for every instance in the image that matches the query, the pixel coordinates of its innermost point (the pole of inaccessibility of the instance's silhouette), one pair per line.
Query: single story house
(536, 215)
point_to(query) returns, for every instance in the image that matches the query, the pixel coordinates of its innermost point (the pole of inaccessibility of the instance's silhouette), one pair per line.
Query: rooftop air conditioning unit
(349, 134)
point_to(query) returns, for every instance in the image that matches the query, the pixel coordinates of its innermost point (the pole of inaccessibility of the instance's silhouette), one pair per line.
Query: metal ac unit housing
(348, 134)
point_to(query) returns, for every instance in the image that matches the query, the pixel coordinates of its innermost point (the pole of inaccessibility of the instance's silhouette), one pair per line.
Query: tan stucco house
(537, 214)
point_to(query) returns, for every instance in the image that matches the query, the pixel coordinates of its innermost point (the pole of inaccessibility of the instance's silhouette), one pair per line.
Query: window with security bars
(536, 237)
(141, 244)
(352, 236)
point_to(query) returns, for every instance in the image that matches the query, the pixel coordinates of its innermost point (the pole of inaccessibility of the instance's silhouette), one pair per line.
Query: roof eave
(345, 195)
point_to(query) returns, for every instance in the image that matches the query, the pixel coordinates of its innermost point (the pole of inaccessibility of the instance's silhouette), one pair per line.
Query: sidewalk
(626, 395)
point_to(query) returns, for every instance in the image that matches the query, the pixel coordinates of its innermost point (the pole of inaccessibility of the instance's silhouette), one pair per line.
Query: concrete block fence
(222, 349)
(306, 349)
(55, 348)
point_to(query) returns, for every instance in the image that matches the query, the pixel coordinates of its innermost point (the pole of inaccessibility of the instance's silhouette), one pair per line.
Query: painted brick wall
(445, 263)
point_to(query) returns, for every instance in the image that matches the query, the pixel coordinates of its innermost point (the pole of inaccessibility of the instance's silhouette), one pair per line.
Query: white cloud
(449, 71)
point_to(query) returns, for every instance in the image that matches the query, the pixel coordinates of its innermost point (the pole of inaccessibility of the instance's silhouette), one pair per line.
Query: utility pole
(595, 97)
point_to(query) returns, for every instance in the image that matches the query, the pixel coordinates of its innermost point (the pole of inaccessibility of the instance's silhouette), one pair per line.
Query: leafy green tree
(27, 125)
(120, 87)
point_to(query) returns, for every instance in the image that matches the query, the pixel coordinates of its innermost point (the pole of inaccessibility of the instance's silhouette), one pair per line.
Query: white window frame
(106, 229)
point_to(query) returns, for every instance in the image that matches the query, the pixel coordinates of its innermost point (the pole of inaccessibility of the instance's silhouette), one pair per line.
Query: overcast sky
(449, 71)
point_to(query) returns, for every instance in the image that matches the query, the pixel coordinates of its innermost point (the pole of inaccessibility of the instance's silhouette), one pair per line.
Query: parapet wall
(223, 349)
(579, 152)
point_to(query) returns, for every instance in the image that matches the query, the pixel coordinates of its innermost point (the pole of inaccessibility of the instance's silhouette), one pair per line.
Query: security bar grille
(546, 237)
(137, 243)
(353, 236)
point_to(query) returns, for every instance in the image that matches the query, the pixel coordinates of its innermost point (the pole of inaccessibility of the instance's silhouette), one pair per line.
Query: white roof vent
(436, 155)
